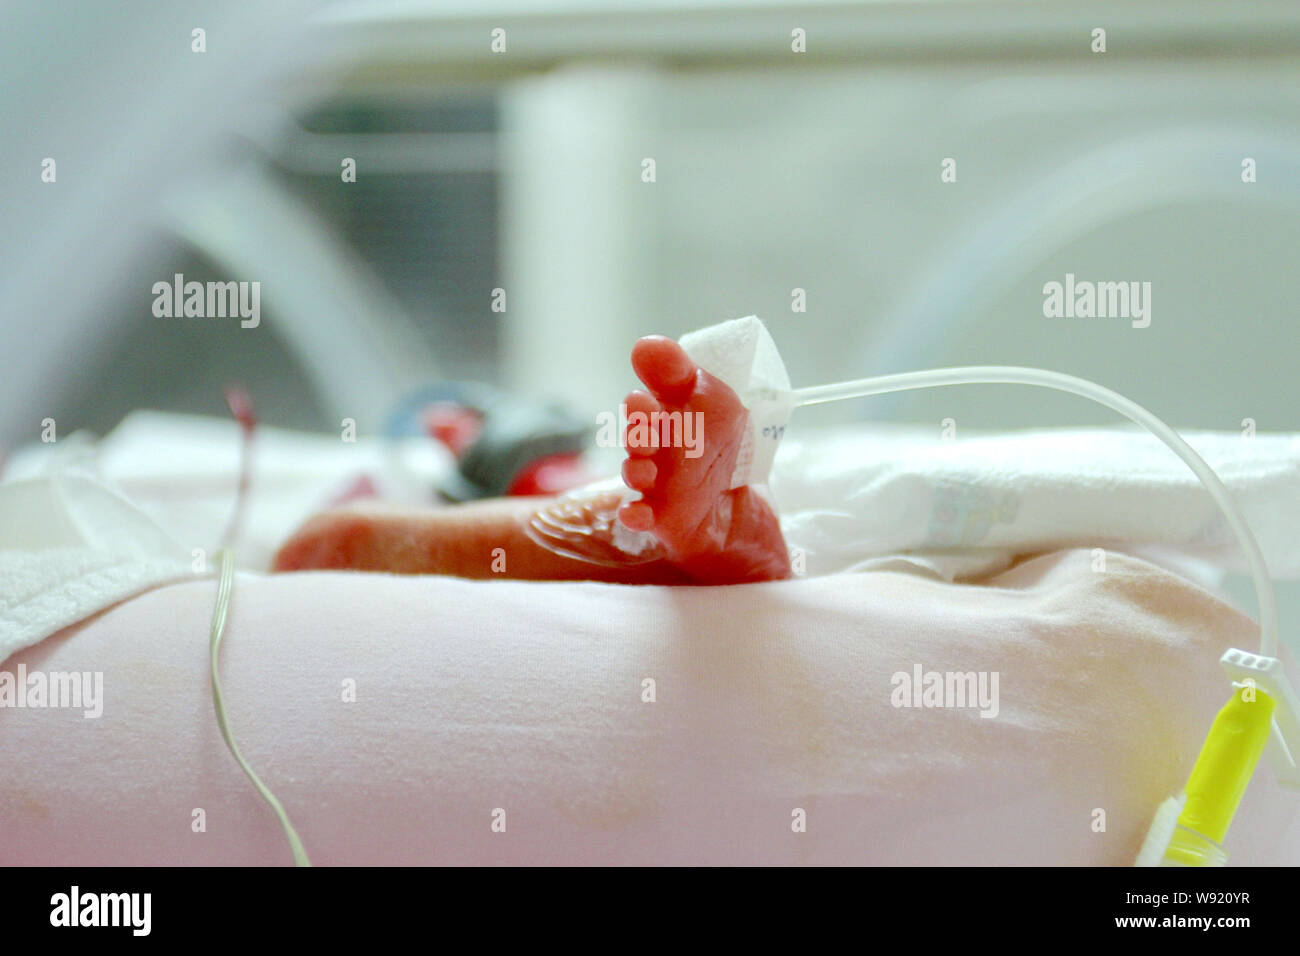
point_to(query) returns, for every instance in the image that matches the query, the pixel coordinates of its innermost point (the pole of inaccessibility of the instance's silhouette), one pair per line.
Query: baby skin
(708, 532)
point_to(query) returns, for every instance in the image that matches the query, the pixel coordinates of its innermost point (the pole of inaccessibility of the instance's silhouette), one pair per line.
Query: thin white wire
(1042, 378)
(225, 587)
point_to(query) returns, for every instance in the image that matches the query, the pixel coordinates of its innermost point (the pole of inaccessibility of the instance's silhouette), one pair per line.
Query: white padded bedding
(527, 697)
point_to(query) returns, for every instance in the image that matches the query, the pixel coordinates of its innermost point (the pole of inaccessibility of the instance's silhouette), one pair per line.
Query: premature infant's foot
(714, 533)
(710, 533)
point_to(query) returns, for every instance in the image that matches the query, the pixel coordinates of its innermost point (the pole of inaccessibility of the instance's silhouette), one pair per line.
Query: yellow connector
(1219, 779)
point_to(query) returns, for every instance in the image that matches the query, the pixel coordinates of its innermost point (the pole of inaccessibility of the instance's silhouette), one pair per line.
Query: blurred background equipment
(503, 221)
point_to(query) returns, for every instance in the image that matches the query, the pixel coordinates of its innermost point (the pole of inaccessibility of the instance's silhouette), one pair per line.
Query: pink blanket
(399, 718)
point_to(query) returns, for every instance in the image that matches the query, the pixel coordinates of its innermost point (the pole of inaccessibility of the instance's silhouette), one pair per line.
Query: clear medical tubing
(1013, 375)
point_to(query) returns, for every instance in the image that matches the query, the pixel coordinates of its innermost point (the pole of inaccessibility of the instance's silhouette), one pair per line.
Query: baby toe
(637, 516)
(637, 438)
(664, 367)
(639, 473)
(641, 401)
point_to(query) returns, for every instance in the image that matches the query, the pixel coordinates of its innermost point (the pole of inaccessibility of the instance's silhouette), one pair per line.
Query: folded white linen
(968, 505)
(69, 547)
